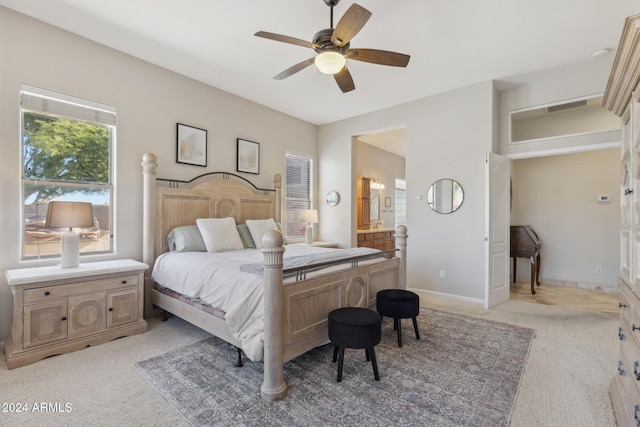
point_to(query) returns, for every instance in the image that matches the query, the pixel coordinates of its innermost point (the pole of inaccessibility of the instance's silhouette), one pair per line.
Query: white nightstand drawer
(50, 293)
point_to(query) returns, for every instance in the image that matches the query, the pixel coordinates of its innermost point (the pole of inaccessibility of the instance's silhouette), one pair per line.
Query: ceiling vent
(568, 106)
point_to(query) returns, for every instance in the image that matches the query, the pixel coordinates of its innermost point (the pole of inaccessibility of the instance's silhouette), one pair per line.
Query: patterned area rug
(465, 371)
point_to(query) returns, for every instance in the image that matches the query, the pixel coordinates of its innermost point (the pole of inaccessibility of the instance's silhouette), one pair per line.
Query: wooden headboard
(171, 203)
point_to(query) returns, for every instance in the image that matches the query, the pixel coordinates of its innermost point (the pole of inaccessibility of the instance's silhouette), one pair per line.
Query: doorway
(572, 203)
(381, 156)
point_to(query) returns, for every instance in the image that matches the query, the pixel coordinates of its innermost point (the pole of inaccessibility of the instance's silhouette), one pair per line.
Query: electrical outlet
(598, 269)
(443, 274)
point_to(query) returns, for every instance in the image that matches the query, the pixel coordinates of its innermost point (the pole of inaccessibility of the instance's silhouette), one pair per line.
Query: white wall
(551, 86)
(579, 255)
(556, 196)
(447, 136)
(149, 101)
(570, 122)
(373, 162)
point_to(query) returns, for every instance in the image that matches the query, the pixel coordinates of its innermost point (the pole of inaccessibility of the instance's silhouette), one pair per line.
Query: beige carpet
(565, 383)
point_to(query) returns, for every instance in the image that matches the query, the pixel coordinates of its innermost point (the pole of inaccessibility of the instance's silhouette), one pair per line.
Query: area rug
(465, 371)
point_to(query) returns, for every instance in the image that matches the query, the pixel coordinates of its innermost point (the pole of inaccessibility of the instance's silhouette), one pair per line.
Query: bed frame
(295, 314)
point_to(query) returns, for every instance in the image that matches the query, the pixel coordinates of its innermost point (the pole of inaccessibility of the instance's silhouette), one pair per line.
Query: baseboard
(549, 282)
(580, 285)
(447, 296)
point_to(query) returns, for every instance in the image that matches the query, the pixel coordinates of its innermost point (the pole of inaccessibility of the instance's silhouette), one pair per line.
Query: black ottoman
(355, 327)
(399, 304)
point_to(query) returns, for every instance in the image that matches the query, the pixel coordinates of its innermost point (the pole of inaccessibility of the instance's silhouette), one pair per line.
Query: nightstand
(58, 310)
(320, 244)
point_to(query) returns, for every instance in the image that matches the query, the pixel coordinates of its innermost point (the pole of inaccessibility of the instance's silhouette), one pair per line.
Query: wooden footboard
(307, 303)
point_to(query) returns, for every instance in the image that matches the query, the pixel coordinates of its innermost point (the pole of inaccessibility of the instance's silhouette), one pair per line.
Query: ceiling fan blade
(350, 24)
(285, 39)
(382, 57)
(294, 69)
(344, 80)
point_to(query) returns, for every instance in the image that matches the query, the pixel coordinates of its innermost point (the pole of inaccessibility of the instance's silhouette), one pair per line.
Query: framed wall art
(191, 145)
(248, 159)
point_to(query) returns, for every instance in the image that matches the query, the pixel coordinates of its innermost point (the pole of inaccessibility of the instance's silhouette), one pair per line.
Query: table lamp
(310, 216)
(69, 215)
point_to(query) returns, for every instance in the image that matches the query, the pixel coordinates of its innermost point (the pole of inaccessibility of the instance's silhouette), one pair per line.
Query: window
(401, 202)
(297, 193)
(67, 151)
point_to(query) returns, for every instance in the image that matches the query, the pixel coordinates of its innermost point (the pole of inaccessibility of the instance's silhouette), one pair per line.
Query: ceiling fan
(333, 48)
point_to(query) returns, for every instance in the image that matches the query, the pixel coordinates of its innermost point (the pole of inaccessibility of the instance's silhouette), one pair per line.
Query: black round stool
(355, 327)
(399, 304)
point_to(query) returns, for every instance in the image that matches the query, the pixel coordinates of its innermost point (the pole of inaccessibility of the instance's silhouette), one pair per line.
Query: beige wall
(373, 162)
(571, 122)
(149, 101)
(447, 136)
(557, 197)
(569, 260)
(553, 86)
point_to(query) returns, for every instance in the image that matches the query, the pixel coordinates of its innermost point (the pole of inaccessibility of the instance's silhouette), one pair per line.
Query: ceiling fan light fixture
(330, 62)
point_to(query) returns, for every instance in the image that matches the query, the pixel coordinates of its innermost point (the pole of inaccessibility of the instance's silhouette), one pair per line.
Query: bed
(295, 301)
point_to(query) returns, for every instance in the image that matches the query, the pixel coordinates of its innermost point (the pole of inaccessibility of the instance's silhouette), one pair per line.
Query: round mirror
(333, 198)
(445, 196)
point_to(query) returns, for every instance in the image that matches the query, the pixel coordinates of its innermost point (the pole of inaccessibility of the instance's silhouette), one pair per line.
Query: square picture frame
(191, 145)
(248, 156)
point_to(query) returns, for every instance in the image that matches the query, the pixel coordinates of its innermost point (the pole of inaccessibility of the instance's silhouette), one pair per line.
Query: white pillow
(257, 228)
(219, 234)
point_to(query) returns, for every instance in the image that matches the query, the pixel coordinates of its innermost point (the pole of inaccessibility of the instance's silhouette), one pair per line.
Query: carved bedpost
(149, 165)
(401, 244)
(277, 185)
(273, 387)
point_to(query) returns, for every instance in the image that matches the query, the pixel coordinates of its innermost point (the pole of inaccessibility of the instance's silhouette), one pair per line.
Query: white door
(496, 285)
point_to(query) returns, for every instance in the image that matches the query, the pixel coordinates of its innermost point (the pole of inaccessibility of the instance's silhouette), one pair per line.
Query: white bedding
(216, 278)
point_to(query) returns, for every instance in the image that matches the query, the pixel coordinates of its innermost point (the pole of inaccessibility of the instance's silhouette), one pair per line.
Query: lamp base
(70, 251)
(308, 237)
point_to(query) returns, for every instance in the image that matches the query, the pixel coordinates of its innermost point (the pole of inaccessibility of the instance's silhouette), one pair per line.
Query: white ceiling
(452, 43)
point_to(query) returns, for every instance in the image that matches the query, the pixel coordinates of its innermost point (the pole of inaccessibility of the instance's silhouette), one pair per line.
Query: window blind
(297, 192)
(58, 105)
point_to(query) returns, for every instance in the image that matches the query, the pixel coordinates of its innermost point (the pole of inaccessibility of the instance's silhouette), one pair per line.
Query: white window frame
(296, 200)
(48, 103)
(401, 202)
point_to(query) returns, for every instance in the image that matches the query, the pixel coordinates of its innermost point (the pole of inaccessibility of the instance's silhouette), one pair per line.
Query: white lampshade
(68, 215)
(330, 62)
(310, 216)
